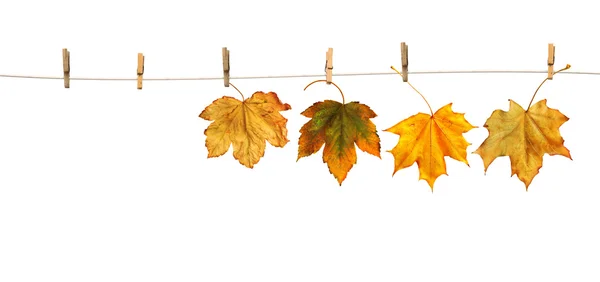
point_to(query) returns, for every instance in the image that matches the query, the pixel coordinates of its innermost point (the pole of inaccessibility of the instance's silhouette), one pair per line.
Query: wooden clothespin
(66, 66)
(404, 56)
(140, 70)
(329, 66)
(550, 61)
(226, 66)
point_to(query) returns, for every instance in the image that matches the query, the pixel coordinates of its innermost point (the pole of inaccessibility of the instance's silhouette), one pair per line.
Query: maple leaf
(247, 125)
(525, 136)
(426, 139)
(339, 126)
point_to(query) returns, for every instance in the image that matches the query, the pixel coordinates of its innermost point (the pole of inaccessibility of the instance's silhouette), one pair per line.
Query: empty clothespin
(404, 56)
(226, 67)
(329, 66)
(140, 70)
(66, 66)
(550, 61)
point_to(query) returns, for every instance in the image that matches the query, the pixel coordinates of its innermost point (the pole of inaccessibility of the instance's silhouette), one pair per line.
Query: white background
(104, 182)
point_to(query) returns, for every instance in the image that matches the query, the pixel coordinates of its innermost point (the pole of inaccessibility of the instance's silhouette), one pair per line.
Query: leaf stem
(322, 80)
(238, 91)
(430, 110)
(536, 91)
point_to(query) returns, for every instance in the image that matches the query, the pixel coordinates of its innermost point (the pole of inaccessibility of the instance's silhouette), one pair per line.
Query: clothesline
(298, 75)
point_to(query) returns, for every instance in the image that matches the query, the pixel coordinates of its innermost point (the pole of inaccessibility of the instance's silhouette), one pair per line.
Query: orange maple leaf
(426, 139)
(246, 124)
(525, 136)
(338, 126)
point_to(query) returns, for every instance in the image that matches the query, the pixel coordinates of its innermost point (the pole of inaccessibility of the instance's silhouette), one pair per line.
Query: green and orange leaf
(338, 126)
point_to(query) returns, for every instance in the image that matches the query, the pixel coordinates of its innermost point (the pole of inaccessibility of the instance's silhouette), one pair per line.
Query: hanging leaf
(525, 136)
(247, 125)
(339, 126)
(426, 139)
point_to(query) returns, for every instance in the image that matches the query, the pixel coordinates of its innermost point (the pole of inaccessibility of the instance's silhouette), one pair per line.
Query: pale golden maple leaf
(525, 136)
(246, 125)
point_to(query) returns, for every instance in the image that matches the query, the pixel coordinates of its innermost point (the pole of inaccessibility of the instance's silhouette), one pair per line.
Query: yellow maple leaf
(525, 136)
(426, 139)
(246, 124)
